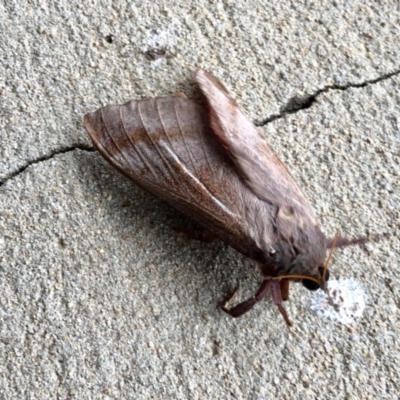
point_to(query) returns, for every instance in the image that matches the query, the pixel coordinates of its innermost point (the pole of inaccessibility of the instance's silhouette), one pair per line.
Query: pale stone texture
(100, 297)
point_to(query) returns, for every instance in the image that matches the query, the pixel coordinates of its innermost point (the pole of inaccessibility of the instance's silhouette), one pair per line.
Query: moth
(213, 165)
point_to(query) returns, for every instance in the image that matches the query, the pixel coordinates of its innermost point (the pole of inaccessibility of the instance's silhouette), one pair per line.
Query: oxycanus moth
(214, 166)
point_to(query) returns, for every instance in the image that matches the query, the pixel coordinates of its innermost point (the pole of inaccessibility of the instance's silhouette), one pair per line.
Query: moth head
(318, 281)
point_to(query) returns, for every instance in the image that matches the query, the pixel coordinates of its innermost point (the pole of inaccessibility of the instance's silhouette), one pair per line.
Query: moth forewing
(176, 158)
(261, 168)
(297, 229)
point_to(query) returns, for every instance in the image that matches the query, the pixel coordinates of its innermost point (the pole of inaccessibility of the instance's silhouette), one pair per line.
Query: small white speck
(345, 303)
(162, 38)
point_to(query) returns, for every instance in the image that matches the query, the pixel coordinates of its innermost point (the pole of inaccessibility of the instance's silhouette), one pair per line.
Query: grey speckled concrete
(100, 298)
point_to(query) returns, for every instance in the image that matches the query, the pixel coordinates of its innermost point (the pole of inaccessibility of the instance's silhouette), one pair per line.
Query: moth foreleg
(285, 285)
(248, 304)
(276, 295)
(241, 308)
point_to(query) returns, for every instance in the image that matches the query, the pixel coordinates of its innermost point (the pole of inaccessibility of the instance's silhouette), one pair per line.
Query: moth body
(214, 166)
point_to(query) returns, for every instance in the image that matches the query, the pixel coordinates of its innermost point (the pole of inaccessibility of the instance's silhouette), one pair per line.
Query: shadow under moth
(214, 166)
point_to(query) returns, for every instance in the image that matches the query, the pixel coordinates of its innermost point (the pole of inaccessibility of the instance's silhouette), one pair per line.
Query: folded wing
(166, 146)
(260, 167)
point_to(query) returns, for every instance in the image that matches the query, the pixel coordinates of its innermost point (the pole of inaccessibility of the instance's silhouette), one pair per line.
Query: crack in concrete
(46, 158)
(299, 103)
(294, 104)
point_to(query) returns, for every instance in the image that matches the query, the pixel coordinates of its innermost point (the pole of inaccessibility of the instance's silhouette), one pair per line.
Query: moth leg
(284, 283)
(276, 295)
(231, 296)
(248, 304)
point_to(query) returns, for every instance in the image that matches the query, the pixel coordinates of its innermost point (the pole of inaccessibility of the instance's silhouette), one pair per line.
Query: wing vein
(184, 139)
(200, 184)
(139, 153)
(162, 157)
(111, 138)
(162, 122)
(206, 155)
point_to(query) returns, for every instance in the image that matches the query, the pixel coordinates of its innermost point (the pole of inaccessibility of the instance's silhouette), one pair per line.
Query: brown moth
(214, 166)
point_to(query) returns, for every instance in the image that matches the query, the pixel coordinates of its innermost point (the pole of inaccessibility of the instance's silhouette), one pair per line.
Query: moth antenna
(330, 255)
(344, 242)
(310, 278)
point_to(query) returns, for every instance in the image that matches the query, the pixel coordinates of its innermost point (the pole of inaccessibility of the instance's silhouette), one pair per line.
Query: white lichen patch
(344, 304)
(159, 45)
(162, 38)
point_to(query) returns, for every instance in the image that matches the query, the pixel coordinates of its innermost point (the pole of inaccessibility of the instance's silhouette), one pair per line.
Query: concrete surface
(100, 297)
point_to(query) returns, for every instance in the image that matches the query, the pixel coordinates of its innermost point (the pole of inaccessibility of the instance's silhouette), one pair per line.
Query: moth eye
(311, 285)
